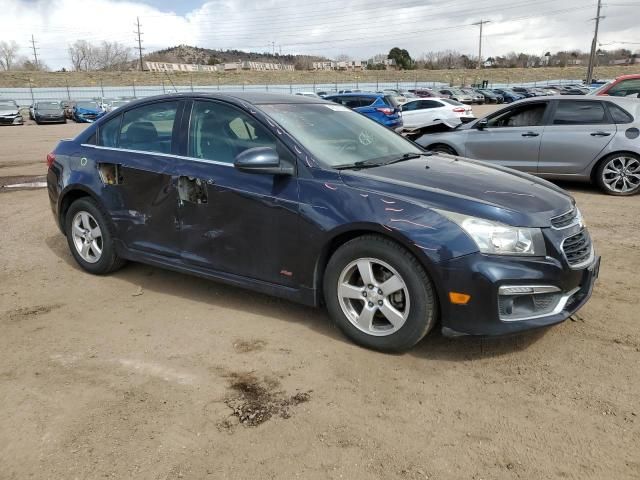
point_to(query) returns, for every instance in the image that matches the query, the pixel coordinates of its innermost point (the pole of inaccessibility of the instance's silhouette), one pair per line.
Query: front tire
(619, 174)
(379, 295)
(90, 237)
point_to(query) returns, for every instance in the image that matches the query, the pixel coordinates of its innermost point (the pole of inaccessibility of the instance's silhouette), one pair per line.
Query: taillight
(386, 110)
(51, 157)
(459, 110)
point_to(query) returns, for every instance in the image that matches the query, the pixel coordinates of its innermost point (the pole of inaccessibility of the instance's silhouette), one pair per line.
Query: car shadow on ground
(166, 282)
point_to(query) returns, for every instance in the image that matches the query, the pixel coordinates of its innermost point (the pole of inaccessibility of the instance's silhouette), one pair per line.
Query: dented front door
(239, 223)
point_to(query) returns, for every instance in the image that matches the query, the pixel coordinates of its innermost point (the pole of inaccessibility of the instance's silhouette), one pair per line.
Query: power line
(481, 23)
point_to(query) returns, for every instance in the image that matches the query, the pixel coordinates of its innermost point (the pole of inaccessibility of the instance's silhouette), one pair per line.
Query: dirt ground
(157, 375)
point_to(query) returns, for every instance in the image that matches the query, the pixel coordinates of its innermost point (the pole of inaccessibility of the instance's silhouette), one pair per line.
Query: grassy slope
(514, 75)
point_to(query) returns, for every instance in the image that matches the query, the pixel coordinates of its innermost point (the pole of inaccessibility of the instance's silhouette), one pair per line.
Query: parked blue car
(87, 111)
(380, 107)
(508, 94)
(307, 200)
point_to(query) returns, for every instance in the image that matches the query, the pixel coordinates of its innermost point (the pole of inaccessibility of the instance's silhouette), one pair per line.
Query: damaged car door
(137, 163)
(232, 221)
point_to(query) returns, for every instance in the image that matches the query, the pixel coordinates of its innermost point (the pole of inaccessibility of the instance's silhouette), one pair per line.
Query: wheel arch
(70, 195)
(606, 156)
(443, 144)
(339, 238)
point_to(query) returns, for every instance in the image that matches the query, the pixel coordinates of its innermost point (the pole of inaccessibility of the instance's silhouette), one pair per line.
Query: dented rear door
(139, 167)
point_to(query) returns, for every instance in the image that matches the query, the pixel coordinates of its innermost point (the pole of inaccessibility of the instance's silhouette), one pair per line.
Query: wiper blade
(357, 165)
(409, 156)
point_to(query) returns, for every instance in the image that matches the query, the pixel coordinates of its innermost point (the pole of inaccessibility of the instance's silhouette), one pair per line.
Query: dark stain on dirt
(257, 401)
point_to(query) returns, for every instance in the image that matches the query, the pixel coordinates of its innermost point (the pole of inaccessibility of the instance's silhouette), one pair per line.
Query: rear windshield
(451, 102)
(391, 101)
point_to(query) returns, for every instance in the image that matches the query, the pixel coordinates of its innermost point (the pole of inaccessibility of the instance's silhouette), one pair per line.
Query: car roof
(631, 76)
(253, 98)
(359, 94)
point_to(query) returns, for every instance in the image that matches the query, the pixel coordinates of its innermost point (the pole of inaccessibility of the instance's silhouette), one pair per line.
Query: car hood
(88, 111)
(467, 186)
(6, 112)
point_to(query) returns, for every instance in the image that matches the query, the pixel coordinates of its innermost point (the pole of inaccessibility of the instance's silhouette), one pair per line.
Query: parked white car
(424, 112)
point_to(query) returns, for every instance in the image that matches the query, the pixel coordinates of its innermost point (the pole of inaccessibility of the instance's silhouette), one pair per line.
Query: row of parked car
(59, 111)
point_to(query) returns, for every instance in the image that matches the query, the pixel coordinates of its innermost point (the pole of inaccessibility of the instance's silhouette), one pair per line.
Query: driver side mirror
(482, 124)
(262, 160)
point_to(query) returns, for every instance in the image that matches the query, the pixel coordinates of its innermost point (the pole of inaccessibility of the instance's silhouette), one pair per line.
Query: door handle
(600, 134)
(530, 134)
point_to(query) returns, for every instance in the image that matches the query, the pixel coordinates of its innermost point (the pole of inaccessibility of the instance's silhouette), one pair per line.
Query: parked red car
(623, 86)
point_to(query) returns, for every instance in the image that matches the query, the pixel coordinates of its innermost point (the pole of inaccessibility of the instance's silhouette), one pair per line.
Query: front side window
(149, 127)
(572, 112)
(425, 104)
(220, 132)
(338, 136)
(529, 115)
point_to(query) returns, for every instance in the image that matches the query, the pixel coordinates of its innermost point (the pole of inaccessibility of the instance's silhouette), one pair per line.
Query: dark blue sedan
(379, 107)
(310, 201)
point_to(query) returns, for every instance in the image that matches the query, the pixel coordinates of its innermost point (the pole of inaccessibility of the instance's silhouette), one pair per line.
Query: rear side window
(626, 88)
(579, 113)
(391, 101)
(618, 114)
(149, 128)
(108, 132)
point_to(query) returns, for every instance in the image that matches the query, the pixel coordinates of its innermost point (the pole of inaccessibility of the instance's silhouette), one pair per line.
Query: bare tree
(8, 52)
(112, 55)
(82, 55)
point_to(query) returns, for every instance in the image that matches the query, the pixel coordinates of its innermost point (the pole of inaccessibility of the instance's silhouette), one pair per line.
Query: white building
(220, 67)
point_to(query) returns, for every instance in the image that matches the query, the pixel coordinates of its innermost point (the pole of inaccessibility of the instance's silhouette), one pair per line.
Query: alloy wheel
(87, 237)
(373, 296)
(621, 174)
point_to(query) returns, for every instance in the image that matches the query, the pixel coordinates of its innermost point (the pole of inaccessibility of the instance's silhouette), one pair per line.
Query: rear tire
(619, 174)
(90, 237)
(390, 307)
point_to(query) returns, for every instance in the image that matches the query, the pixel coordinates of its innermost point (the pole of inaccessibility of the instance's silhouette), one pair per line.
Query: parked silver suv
(559, 137)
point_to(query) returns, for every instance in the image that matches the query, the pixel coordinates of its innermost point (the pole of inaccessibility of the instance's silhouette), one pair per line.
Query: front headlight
(499, 239)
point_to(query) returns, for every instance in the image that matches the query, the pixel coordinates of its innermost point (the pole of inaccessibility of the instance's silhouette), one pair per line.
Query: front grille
(564, 220)
(577, 248)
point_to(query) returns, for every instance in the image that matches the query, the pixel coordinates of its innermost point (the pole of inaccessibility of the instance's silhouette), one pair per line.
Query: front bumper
(481, 277)
(12, 120)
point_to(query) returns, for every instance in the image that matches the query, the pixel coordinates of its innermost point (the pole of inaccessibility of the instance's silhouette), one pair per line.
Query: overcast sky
(359, 28)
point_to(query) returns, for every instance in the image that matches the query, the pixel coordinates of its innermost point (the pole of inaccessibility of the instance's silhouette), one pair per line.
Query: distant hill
(208, 56)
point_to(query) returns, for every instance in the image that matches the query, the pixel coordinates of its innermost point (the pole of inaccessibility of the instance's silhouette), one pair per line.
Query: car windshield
(88, 105)
(8, 104)
(337, 136)
(48, 106)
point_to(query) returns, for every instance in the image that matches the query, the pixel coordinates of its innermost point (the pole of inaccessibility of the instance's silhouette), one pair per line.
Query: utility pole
(594, 45)
(35, 51)
(139, 34)
(480, 23)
